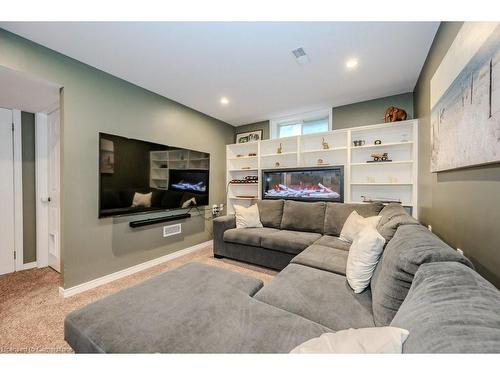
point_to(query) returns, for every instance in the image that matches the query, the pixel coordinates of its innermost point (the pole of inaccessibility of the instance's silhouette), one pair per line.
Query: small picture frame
(251, 136)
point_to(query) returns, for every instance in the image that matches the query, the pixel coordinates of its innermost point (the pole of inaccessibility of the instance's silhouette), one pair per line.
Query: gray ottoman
(193, 309)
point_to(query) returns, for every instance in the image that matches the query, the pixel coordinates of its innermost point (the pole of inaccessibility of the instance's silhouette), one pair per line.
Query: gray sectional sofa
(292, 228)
(420, 284)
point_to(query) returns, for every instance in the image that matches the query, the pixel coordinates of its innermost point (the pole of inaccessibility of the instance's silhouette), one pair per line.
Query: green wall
(462, 206)
(29, 186)
(94, 101)
(369, 112)
(264, 125)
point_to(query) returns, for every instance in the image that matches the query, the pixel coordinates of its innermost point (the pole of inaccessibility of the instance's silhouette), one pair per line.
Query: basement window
(306, 123)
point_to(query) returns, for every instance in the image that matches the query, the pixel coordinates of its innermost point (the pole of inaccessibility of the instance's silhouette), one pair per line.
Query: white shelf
(402, 203)
(324, 150)
(243, 199)
(283, 153)
(243, 157)
(392, 144)
(243, 170)
(383, 163)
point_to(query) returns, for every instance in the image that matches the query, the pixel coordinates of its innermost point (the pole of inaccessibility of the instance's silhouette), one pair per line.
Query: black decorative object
(377, 142)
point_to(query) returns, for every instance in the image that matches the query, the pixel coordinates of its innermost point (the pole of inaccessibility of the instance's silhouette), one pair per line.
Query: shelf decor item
(360, 142)
(379, 157)
(251, 136)
(320, 162)
(377, 142)
(393, 114)
(280, 149)
(277, 164)
(324, 144)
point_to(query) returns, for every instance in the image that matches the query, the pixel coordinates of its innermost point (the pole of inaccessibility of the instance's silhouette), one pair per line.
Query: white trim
(129, 271)
(18, 190)
(27, 266)
(42, 218)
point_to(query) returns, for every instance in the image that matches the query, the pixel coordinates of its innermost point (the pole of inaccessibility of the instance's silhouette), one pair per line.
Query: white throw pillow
(363, 258)
(142, 200)
(247, 217)
(355, 223)
(375, 340)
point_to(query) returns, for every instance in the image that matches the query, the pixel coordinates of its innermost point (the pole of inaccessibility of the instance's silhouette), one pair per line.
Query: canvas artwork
(252, 136)
(465, 100)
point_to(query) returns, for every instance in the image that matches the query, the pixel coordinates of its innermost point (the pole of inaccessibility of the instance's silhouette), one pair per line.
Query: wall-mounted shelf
(384, 163)
(392, 144)
(306, 150)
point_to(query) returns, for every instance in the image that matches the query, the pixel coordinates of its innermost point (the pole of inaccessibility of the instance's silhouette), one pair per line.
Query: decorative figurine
(280, 149)
(358, 143)
(277, 164)
(324, 144)
(377, 142)
(380, 157)
(393, 114)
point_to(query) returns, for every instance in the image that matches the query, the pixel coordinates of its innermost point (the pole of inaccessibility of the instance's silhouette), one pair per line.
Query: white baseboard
(27, 266)
(129, 271)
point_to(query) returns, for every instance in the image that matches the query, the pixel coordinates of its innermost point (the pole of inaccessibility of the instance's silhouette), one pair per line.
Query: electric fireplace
(304, 184)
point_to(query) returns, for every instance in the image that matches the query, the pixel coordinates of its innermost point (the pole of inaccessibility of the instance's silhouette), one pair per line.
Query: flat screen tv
(137, 176)
(304, 184)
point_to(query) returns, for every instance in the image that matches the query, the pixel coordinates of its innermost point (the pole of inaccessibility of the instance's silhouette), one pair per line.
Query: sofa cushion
(334, 242)
(288, 241)
(320, 296)
(303, 216)
(323, 258)
(337, 213)
(450, 309)
(247, 236)
(180, 311)
(412, 246)
(271, 212)
(393, 216)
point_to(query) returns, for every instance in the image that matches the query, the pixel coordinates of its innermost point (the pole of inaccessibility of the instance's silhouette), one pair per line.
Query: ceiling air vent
(300, 56)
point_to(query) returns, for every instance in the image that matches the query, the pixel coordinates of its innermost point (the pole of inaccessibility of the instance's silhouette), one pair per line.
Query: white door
(53, 152)
(7, 262)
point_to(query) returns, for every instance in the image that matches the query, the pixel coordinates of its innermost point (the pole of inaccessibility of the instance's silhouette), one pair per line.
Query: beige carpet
(32, 312)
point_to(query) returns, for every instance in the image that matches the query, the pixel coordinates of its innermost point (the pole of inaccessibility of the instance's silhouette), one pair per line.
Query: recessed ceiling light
(224, 101)
(351, 63)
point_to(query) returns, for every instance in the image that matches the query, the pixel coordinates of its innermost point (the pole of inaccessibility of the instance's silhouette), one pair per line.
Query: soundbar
(156, 220)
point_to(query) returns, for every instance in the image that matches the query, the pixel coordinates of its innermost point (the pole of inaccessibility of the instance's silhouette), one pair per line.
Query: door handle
(46, 200)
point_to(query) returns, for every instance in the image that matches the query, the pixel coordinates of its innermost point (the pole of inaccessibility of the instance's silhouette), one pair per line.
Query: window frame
(300, 118)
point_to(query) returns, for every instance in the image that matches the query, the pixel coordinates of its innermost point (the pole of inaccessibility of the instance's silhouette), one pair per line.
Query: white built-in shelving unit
(162, 161)
(396, 179)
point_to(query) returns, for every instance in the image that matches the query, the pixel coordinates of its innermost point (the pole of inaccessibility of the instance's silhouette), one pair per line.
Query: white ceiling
(19, 91)
(196, 63)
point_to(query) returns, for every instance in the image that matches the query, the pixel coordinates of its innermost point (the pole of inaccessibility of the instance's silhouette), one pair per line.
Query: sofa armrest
(221, 224)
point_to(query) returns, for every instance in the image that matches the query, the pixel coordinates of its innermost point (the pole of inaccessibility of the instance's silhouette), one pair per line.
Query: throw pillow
(374, 340)
(355, 223)
(363, 257)
(142, 200)
(247, 217)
